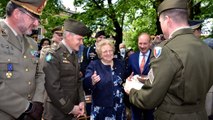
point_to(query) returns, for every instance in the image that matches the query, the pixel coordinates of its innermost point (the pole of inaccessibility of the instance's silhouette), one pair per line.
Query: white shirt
(141, 56)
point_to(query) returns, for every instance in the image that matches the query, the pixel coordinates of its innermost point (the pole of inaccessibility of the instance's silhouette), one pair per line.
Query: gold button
(25, 56)
(26, 69)
(29, 83)
(29, 96)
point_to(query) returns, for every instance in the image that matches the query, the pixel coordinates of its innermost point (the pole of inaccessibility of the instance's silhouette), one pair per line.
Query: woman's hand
(95, 78)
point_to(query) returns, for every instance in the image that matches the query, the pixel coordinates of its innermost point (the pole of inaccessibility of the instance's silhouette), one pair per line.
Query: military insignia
(9, 73)
(157, 51)
(34, 53)
(151, 76)
(65, 60)
(65, 56)
(48, 57)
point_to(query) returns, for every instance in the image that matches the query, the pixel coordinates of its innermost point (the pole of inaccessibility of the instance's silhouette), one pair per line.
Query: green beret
(172, 4)
(76, 27)
(34, 6)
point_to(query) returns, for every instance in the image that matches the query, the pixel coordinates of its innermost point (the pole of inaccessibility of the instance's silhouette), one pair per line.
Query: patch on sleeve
(151, 76)
(157, 51)
(48, 57)
(62, 101)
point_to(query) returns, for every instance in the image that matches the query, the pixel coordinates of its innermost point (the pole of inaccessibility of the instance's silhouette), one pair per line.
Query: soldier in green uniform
(62, 81)
(181, 69)
(21, 79)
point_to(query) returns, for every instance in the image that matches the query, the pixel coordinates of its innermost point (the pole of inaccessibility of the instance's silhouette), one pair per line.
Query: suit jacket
(133, 64)
(21, 79)
(182, 75)
(62, 81)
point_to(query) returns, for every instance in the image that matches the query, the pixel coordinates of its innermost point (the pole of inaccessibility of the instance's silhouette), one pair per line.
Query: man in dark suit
(138, 63)
(62, 82)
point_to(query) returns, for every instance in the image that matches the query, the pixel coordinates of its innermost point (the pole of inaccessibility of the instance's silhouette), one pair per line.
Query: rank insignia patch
(157, 51)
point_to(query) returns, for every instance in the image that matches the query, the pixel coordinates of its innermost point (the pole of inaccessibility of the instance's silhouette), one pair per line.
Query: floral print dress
(118, 111)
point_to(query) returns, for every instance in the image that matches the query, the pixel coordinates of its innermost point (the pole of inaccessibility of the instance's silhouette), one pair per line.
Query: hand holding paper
(133, 82)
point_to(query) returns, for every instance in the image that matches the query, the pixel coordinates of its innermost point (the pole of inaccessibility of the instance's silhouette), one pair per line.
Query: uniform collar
(15, 33)
(172, 34)
(68, 48)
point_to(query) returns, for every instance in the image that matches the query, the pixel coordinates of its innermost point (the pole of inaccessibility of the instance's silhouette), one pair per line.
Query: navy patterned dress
(118, 112)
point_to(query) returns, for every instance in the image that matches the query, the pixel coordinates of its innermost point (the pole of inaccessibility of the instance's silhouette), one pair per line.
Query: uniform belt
(181, 109)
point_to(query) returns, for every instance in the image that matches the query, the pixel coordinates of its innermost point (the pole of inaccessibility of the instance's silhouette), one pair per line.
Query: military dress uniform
(21, 79)
(63, 84)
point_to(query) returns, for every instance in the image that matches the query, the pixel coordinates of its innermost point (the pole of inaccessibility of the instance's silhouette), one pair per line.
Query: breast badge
(64, 58)
(9, 73)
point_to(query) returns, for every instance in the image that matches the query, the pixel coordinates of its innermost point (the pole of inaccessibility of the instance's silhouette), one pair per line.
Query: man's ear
(17, 13)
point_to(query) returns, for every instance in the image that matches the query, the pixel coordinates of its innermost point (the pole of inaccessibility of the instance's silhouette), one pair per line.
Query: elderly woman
(105, 77)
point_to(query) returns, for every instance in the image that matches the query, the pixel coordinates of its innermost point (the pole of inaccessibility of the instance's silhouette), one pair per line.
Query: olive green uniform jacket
(62, 82)
(182, 77)
(21, 79)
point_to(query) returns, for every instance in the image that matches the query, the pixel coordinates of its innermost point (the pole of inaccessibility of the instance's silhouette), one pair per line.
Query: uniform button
(26, 69)
(29, 83)
(29, 96)
(25, 56)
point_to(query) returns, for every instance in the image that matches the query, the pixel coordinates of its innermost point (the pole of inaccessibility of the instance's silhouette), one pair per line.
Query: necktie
(142, 63)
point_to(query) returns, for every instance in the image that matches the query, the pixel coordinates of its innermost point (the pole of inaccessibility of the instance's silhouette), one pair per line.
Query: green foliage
(3, 4)
(143, 20)
(122, 19)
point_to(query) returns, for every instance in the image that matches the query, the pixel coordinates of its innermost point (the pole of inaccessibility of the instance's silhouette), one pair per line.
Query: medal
(9, 73)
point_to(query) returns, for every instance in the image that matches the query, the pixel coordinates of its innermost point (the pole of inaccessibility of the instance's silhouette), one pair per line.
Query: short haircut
(177, 15)
(10, 8)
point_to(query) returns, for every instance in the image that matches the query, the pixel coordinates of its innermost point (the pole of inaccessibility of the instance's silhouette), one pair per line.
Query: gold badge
(9, 74)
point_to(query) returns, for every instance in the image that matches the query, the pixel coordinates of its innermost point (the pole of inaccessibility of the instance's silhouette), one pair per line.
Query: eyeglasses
(30, 15)
(107, 51)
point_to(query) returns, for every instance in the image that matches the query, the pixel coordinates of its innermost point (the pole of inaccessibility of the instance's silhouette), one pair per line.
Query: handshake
(34, 112)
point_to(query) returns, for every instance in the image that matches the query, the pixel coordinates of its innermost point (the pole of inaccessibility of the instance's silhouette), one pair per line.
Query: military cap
(172, 4)
(57, 29)
(194, 24)
(76, 27)
(34, 6)
(99, 33)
